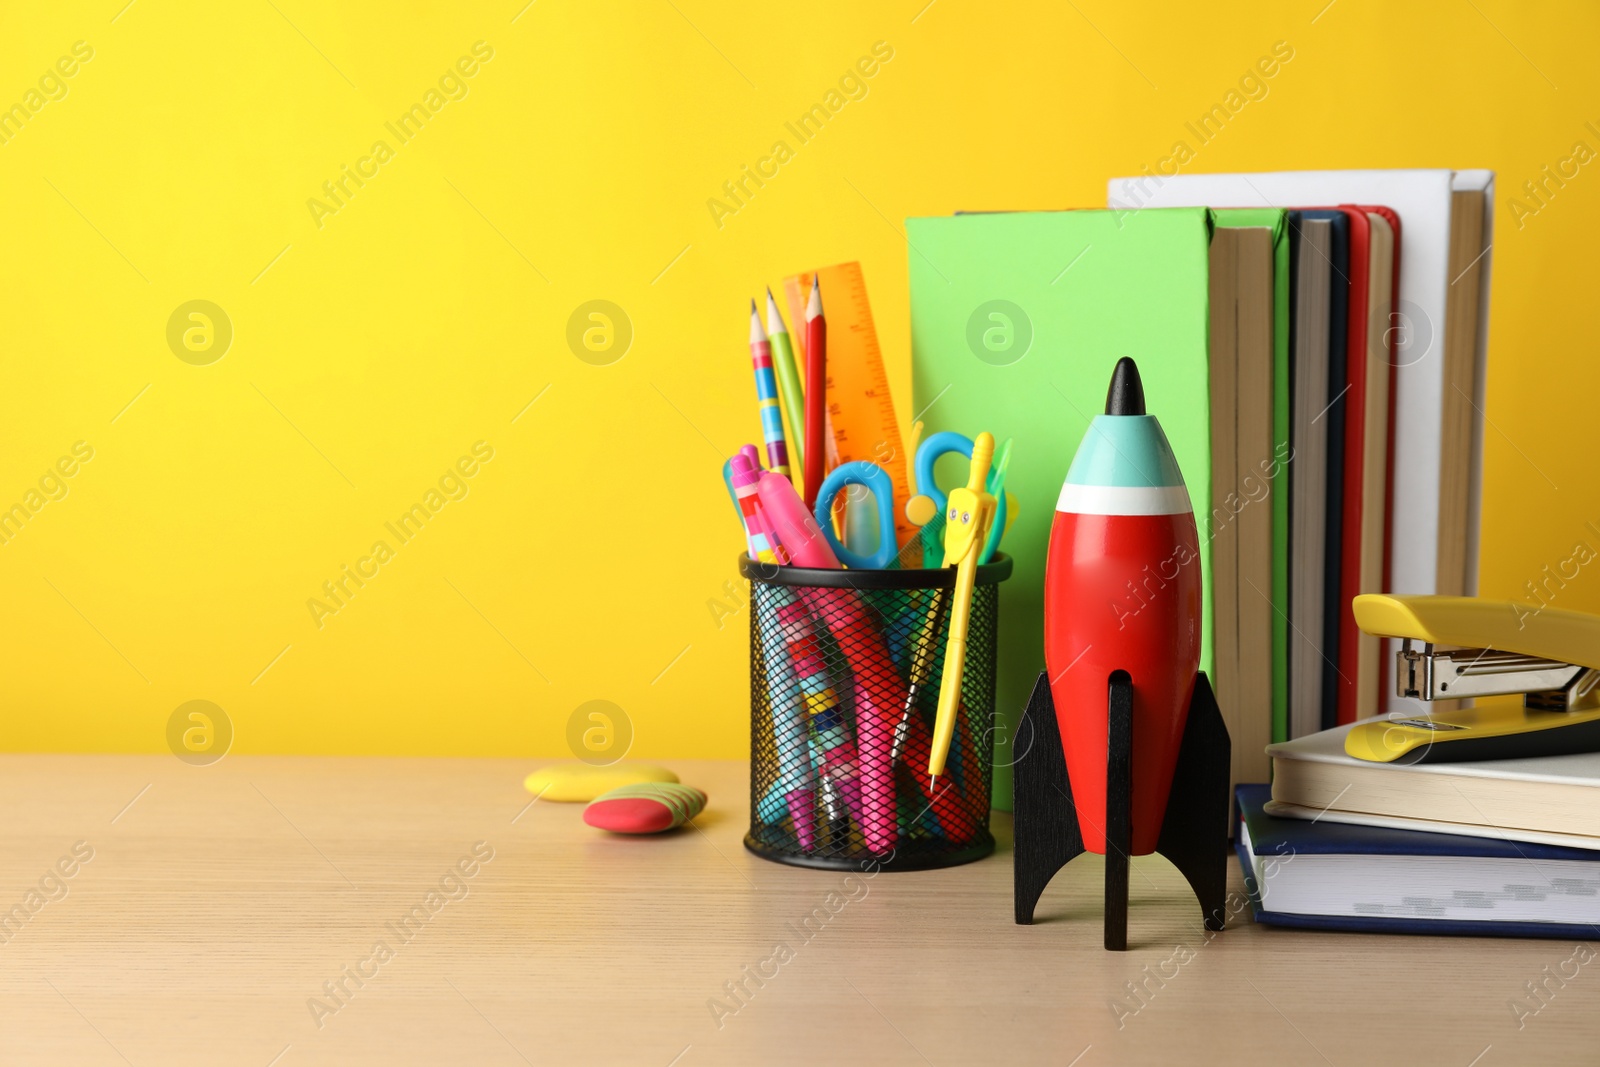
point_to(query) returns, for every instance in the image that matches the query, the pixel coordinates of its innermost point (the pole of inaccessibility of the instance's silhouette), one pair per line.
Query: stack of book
(1348, 320)
(1502, 847)
(1314, 346)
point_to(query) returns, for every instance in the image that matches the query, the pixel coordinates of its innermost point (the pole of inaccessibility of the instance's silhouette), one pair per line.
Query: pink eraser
(646, 808)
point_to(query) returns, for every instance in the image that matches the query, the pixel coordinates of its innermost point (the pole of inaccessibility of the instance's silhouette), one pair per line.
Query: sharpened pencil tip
(774, 319)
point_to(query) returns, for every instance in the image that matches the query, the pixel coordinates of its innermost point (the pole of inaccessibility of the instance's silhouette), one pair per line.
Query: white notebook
(1551, 799)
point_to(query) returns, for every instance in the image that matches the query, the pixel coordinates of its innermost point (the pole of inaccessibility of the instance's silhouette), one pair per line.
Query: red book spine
(1391, 339)
(1355, 403)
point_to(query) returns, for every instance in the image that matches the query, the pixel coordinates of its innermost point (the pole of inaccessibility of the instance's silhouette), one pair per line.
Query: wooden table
(222, 903)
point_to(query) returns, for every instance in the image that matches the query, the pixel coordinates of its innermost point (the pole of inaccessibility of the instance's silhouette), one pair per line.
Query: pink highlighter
(802, 544)
(797, 531)
(797, 777)
(847, 618)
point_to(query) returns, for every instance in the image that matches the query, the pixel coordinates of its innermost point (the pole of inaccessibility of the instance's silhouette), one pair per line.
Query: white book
(1431, 826)
(1429, 888)
(1422, 199)
(1549, 799)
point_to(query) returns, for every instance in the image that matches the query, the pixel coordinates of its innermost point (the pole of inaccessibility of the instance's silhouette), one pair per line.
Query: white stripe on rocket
(1124, 500)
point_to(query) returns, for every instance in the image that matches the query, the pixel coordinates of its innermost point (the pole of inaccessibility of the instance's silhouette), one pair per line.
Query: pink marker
(745, 478)
(830, 733)
(878, 691)
(794, 525)
(797, 779)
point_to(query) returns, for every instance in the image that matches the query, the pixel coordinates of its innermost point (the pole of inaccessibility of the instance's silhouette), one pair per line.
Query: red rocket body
(1122, 592)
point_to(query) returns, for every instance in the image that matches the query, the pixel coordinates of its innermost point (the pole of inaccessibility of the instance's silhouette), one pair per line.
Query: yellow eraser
(579, 783)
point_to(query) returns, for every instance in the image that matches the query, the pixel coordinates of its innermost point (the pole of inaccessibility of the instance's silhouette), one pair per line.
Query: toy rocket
(1122, 592)
(1129, 753)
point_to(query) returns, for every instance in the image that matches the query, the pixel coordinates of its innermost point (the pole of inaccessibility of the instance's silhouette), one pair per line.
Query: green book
(1276, 220)
(1016, 322)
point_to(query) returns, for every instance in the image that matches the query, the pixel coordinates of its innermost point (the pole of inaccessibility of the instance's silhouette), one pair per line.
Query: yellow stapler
(1479, 648)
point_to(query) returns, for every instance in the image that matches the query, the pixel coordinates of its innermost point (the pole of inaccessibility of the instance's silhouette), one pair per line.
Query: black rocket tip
(1126, 395)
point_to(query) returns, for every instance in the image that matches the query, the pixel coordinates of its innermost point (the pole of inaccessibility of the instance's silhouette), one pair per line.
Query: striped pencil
(767, 396)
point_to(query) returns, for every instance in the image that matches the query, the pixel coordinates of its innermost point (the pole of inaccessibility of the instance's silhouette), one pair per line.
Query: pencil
(767, 396)
(789, 390)
(815, 449)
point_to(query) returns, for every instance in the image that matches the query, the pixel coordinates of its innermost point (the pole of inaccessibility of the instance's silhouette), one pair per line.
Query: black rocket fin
(1045, 820)
(1194, 831)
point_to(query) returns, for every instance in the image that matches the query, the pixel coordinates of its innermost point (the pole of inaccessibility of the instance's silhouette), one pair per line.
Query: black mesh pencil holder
(845, 667)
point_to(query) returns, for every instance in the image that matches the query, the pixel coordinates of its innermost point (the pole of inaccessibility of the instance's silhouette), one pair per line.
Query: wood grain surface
(219, 901)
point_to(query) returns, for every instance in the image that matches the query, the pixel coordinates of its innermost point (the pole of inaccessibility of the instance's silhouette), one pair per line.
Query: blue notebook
(1334, 876)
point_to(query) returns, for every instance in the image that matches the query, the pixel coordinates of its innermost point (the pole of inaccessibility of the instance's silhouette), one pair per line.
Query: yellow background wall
(374, 345)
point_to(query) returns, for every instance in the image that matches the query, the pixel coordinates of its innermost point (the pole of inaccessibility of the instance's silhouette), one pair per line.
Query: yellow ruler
(860, 406)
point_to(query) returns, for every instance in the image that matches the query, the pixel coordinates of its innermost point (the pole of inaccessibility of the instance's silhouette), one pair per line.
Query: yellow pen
(967, 518)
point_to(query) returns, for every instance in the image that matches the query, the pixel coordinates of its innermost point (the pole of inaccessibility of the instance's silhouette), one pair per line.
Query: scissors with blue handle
(944, 443)
(875, 480)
